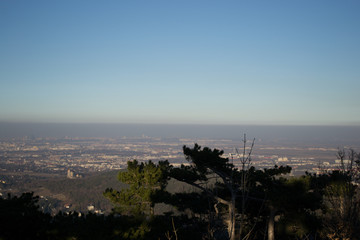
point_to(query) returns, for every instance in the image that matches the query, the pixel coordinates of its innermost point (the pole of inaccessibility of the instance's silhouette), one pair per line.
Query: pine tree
(146, 181)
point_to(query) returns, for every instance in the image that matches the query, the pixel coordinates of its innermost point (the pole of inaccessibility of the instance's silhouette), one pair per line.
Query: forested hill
(78, 193)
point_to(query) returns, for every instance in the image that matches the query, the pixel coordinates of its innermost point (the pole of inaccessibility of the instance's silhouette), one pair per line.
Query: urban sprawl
(75, 157)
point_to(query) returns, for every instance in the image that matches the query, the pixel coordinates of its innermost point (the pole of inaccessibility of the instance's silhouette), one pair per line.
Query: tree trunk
(271, 224)
(230, 221)
(231, 224)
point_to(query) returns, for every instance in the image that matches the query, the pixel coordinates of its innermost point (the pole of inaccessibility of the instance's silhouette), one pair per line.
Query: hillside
(56, 192)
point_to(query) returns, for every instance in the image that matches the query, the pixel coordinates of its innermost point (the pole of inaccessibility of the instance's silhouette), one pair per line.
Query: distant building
(283, 159)
(70, 174)
(345, 161)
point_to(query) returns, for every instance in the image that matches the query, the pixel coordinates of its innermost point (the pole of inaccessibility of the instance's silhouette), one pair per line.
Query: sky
(179, 61)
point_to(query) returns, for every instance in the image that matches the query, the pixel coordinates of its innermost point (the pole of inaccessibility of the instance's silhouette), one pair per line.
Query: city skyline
(186, 62)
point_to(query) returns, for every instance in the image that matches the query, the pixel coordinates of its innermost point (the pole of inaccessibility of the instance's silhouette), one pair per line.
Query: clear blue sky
(198, 61)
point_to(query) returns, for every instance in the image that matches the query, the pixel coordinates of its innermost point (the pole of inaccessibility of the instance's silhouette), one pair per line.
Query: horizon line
(187, 123)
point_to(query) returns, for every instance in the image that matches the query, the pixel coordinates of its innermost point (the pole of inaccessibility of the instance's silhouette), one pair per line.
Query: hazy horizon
(336, 136)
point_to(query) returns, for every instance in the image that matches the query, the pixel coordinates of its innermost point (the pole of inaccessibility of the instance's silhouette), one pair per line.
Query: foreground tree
(342, 197)
(341, 219)
(146, 181)
(294, 201)
(215, 176)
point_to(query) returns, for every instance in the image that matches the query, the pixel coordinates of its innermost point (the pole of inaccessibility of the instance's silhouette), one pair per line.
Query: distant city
(75, 157)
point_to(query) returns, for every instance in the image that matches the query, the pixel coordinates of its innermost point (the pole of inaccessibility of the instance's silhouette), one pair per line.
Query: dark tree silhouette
(214, 175)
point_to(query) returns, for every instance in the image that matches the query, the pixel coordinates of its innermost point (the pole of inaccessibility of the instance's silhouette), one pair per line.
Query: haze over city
(180, 62)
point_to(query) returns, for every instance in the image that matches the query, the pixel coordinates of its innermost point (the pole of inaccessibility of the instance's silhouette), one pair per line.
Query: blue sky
(202, 61)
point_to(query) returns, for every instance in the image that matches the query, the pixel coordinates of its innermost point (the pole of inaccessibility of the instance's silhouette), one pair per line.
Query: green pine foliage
(146, 181)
